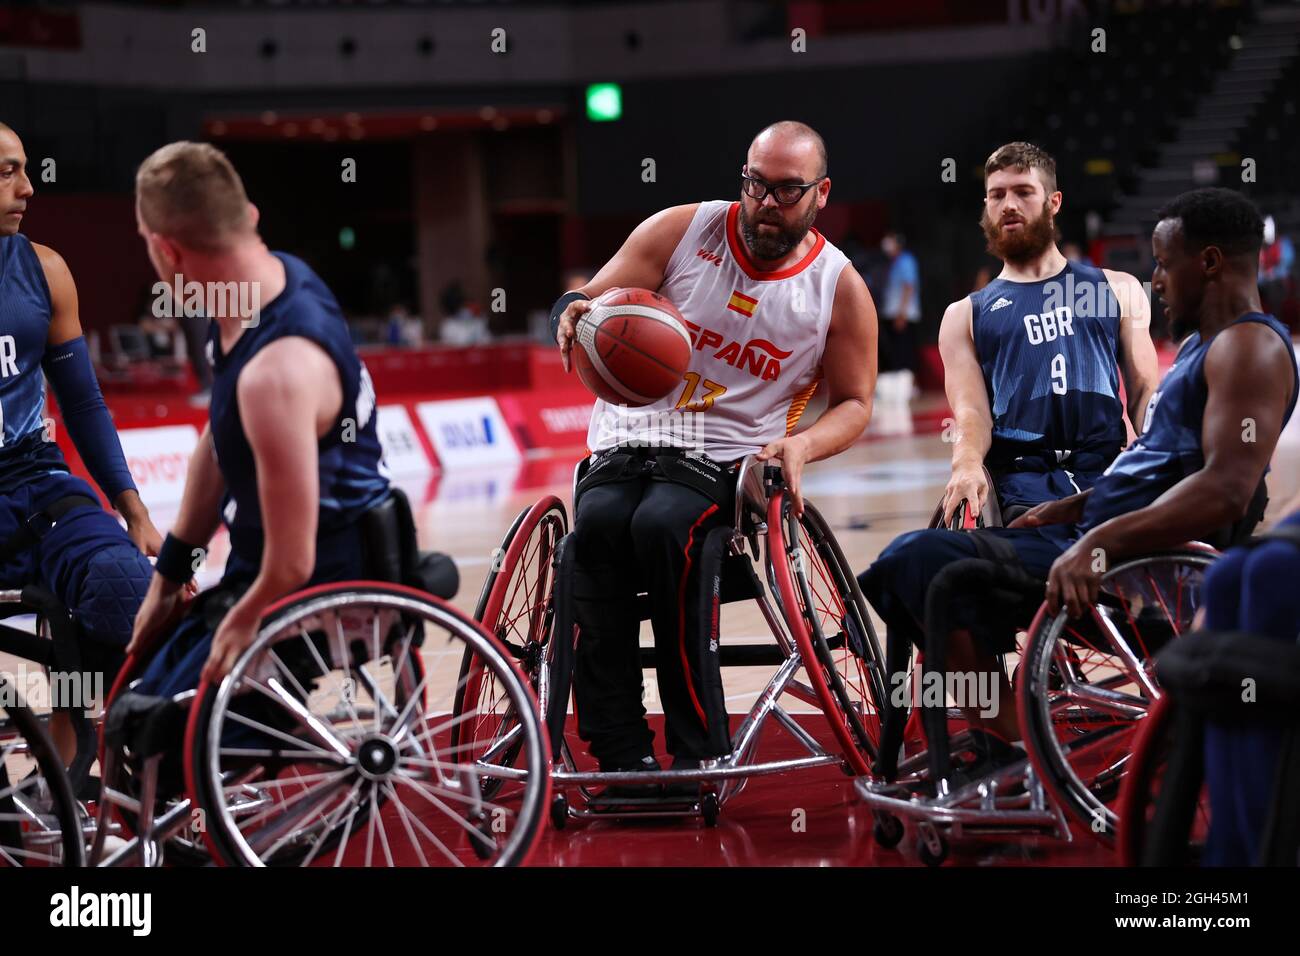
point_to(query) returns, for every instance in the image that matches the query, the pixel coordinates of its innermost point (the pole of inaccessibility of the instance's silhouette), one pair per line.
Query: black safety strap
(40, 524)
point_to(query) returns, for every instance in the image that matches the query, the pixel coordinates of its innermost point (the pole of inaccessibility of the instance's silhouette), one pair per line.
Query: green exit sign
(604, 102)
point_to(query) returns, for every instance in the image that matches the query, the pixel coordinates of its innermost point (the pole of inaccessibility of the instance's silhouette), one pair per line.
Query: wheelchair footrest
(620, 805)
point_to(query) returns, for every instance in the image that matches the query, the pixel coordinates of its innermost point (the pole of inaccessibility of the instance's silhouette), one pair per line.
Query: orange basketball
(634, 347)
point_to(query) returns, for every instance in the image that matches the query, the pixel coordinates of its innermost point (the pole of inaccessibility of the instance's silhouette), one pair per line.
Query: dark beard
(1030, 243)
(771, 248)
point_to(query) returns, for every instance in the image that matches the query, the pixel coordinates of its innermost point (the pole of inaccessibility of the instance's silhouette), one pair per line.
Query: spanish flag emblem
(742, 304)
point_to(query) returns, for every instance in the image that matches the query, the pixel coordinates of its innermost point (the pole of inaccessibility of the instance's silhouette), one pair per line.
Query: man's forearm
(200, 511)
(837, 429)
(1137, 406)
(971, 442)
(273, 582)
(1194, 508)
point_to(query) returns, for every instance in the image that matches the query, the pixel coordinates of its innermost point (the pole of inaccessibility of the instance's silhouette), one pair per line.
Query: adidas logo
(999, 304)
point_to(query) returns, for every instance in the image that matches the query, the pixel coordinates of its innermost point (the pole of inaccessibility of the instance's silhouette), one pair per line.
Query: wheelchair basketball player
(1194, 471)
(53, 532)
(290, 458)
(1245, 591)
(751, 276)
(1080, 323)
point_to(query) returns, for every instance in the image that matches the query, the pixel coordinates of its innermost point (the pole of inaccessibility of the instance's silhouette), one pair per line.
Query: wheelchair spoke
(409, 822)
(349, 803)
(464, 824)
(324, 783)
(288, 828)
(298, 744)
(456, 796)
(442, 847)
(319, 730)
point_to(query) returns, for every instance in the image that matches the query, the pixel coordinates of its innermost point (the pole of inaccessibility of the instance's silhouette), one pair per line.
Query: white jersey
(758, 339)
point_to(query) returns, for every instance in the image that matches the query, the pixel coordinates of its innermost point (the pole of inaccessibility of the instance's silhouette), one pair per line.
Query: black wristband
(176, 559)
(561, 304)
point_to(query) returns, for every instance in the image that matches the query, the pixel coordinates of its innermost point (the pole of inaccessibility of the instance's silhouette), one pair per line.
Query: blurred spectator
(401, 328)
(462, 324)
(900, 316)
(1276, 260)
(1074, 252)
(159, 334)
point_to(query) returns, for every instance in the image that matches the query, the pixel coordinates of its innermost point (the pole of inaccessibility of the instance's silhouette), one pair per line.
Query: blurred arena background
(450, 168)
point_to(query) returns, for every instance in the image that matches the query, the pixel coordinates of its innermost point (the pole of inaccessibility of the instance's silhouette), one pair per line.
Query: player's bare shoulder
(854, 305)
(52, 264)
(665, 229)
(955, 328)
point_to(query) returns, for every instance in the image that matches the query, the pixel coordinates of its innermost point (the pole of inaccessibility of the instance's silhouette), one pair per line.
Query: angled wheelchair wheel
(40, 824)
(516, 606)
(1164, 805)
(330, 742)
(828, 619)
(1085, 686)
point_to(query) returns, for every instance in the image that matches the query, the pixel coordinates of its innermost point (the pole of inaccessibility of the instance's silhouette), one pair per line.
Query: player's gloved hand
(792, 452)
(569, 327)
(1065, 511)
(163, 606)
(966, 484)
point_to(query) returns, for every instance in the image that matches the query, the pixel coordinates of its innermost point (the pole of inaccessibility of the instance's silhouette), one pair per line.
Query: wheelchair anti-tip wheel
(330, 742)
(517, 607)
(40, 823)
(1085, 686)
(828, 619)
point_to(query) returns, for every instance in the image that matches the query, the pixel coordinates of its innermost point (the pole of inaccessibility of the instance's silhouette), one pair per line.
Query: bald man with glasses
(774, 311)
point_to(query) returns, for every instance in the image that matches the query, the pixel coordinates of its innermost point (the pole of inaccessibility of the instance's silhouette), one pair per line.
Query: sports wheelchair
(42, 821)
(330, 742)
(1164, 805)
(825, 651)
(1083, 688)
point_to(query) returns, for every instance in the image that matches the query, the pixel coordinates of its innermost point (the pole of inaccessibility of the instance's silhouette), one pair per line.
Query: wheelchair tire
(517, 607)
(818, 593)
(419, 801)
(40, 822)
(1085, 687)
(1145, 792)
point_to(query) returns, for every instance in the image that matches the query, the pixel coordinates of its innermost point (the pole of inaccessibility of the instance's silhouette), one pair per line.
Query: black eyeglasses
(787, 194)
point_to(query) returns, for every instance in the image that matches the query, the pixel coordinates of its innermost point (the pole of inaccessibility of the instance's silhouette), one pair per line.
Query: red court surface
(758, 828)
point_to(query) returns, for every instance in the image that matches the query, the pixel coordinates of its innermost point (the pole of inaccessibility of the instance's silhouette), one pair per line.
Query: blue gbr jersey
(25, 313)
(352, 474)
(1169, 448)
(1049, 351)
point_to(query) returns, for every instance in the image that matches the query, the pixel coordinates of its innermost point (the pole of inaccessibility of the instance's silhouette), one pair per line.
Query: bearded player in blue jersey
(1192, 472)
(290, 459)
(53, 532)
(1032, 361)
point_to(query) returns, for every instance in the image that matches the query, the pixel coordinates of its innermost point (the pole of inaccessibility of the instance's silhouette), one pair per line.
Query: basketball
(634, 347)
